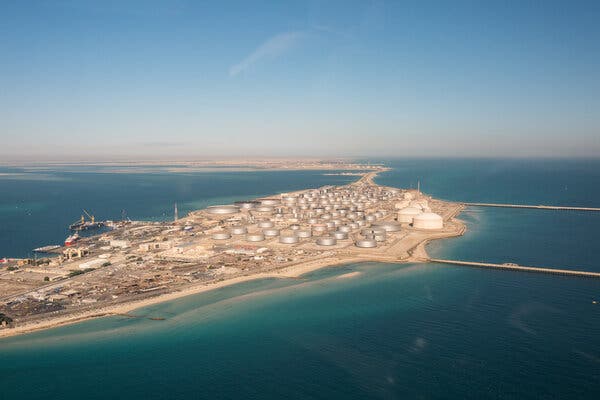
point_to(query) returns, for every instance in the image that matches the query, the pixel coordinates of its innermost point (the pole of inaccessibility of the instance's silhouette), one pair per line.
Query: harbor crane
(82, 224)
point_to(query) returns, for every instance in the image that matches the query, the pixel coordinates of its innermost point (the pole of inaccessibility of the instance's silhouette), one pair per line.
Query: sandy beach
(290, 272)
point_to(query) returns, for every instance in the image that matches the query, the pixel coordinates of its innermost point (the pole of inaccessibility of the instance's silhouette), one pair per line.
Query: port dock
(515, 267)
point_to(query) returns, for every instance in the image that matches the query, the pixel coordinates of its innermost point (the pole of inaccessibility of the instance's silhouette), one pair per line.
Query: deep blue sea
(393, 331)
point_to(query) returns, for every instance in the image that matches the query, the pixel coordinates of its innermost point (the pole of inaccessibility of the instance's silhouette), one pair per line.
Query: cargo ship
(83, 225)
(71, 239)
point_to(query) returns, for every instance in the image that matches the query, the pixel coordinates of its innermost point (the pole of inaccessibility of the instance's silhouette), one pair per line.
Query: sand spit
(349, 275)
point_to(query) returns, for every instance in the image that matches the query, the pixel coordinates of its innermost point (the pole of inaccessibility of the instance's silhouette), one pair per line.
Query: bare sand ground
(293, 271)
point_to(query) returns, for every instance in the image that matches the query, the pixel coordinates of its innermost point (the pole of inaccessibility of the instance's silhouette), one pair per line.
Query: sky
(95, 80)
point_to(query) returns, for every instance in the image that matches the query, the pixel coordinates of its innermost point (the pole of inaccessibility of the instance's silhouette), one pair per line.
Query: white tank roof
(428, 216)
(428, 220)
(409, 211)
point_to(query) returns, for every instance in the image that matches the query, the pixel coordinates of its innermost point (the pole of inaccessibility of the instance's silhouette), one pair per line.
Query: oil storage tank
(247, 204)
(388, 226)
(238, 230)
(428, 220)
(327, 241)
(304, 233)
(255, 237)
(221, 236)
(288, 239)
(271, 232)
(222, 210)
(266, 224)
(366, 243)
(406, 215)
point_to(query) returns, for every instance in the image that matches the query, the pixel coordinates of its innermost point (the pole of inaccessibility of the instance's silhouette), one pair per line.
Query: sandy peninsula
(282, 236)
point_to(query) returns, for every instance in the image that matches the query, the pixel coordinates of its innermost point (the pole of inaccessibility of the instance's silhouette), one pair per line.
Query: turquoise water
(546, 238)
(540, 238)
(394, 331)
(551, 182)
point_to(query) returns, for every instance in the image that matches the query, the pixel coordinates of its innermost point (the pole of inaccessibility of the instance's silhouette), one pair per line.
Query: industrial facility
(136, 259)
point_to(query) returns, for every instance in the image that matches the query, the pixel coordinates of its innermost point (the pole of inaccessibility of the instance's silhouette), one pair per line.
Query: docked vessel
(71, 240)
(82, 224)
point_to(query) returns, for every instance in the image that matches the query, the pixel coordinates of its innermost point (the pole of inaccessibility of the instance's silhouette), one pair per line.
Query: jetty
(537, 207)
(516, 267)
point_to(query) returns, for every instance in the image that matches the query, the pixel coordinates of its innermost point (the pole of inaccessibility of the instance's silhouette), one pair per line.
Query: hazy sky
(152, 79)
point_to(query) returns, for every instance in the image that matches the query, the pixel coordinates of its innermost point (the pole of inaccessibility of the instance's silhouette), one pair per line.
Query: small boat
(45, 249)
(71, 240)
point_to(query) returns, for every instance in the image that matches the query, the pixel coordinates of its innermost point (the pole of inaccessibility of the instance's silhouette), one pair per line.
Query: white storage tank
(221, 235)
(428, 220)
(389, 226)
(366, 243)
(266, 224)
(222, 210)
(303, 233)
(406, 215)
(288, 239)
(255, 237)
(238, 230)
(326, 241)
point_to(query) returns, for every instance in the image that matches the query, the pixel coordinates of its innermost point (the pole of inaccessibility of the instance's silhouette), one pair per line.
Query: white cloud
(273, 47)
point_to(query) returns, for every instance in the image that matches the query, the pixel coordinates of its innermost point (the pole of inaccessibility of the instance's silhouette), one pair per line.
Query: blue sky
(191, 79)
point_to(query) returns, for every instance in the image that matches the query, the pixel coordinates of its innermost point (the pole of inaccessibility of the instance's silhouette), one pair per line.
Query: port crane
(82, 224)
(91, 217)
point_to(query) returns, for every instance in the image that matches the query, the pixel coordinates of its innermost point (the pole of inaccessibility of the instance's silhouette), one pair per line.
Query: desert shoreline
(292, 272)
(400, 251)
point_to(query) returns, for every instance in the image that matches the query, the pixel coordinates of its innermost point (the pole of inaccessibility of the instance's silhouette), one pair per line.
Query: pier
(537, 207)
(515, 267)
